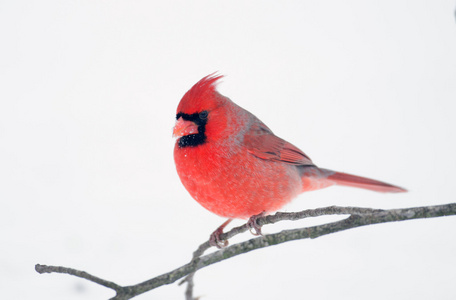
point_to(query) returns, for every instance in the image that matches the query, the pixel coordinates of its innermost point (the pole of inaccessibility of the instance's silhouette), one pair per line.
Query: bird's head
(198, 107)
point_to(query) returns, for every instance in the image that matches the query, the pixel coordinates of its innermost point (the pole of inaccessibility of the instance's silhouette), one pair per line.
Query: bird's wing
(261, 142)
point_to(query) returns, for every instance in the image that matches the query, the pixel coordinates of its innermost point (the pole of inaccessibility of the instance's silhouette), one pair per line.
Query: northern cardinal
(233, 164)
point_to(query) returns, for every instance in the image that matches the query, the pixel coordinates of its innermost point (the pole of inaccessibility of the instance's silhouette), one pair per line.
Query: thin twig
(81, 274)
(357, 217)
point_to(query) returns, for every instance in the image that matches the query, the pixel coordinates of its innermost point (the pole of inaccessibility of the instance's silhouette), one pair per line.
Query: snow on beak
(184, 127)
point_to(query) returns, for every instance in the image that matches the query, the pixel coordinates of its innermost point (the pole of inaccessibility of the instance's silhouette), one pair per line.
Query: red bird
(233, 164)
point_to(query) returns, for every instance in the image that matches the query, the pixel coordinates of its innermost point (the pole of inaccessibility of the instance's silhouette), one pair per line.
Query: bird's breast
(229, 181)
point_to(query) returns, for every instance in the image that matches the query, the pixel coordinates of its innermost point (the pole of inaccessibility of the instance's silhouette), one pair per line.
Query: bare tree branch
(357, 217)
(53, 269)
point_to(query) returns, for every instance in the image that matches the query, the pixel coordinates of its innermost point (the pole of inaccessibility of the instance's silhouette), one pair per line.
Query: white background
(88, 93)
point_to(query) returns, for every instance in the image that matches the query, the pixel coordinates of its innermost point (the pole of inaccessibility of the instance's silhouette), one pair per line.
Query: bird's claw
(215, 240)
(252, 224)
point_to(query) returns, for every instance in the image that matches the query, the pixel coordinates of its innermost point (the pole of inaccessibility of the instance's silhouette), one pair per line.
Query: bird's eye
(203, 115)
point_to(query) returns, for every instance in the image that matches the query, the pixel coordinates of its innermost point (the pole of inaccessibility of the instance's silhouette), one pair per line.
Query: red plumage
(234, 166)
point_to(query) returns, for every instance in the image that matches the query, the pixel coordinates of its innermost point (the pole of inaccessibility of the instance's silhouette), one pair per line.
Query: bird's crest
(198, 97)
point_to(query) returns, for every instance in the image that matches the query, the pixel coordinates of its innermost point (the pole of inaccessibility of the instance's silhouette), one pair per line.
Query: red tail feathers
(362, 182)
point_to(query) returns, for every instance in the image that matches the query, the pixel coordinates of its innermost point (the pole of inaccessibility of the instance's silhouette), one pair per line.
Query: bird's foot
(215, 240)
(252, 224)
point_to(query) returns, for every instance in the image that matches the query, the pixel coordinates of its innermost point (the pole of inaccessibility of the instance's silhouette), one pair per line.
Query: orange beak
(184, 127)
